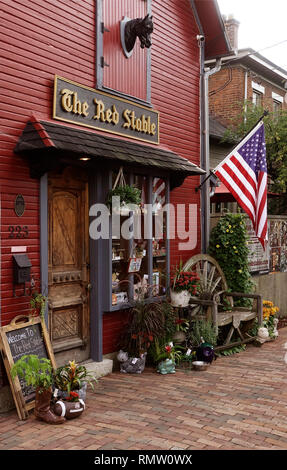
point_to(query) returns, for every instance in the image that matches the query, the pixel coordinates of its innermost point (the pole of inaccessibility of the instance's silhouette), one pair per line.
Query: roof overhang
(48, 146)
(251, 59)
(216, 40)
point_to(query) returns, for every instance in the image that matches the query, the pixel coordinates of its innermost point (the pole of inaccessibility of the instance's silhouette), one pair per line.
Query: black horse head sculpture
(141, 28)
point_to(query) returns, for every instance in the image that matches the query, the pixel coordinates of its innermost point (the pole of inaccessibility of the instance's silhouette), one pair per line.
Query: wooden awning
(46, 144)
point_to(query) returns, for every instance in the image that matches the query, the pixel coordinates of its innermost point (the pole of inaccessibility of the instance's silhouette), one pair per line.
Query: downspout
(205, 164)
(245, 94)
(204, 133)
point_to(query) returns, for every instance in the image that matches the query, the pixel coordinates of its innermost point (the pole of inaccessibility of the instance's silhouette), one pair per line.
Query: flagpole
(266, 112)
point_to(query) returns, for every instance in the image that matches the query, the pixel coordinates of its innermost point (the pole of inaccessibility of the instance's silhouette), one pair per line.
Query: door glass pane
(120, 250)
(140, 250)
(159, 217)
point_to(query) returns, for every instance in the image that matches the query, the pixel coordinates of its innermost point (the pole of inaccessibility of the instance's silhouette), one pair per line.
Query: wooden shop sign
(24, 335)
(88, 107)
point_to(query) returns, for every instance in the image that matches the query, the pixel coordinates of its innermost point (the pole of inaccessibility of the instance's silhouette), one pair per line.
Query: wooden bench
(214, 302)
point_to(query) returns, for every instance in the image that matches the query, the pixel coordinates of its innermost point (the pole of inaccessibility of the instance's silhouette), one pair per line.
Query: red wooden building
(76, 108)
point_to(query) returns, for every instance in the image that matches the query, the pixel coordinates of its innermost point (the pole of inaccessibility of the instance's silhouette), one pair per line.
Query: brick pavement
(238, 403)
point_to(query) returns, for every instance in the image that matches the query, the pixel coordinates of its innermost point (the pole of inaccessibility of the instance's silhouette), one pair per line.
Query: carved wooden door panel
(69, 264)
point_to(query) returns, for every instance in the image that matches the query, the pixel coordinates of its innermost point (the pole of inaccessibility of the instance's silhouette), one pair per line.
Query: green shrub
(229, 246)
(203, 329)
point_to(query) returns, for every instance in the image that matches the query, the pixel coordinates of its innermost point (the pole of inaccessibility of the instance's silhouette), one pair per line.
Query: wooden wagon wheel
(211, 277)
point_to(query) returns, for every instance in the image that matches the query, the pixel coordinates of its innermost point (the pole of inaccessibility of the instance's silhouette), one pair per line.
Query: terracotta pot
(180, 299)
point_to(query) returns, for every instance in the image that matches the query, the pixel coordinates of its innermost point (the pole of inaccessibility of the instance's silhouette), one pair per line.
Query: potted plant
(72, 377)
(168, 359)
(184, 284)
(38, 304)
(182, 326)
(127, 195)
(37, 372)
(203, 338)
(146, 324)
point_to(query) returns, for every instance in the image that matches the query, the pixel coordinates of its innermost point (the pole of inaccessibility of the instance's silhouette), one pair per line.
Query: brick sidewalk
(239, 403)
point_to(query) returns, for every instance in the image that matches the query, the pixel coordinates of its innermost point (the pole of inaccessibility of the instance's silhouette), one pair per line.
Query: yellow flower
(234, 247)
(227, 230)
(217, 246)
(73, 365)
(240, 270)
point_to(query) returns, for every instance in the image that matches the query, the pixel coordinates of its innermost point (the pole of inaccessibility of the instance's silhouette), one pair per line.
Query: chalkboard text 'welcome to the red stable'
(92, 108)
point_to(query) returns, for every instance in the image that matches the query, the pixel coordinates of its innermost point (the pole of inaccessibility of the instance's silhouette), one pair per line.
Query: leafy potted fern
(37, 373)
(123, 198)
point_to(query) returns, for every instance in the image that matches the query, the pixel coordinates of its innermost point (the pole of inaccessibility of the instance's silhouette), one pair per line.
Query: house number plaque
(17, 231)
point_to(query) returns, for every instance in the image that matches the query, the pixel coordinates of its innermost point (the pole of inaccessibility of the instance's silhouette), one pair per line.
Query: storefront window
(159, 216)
(139, 249)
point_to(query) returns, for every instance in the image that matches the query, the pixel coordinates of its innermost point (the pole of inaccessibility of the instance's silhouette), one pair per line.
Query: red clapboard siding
(175, 94)
(127, 75)
(38, 39)
(41, 38)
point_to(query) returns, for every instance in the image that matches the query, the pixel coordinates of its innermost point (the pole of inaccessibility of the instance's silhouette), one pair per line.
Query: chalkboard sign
(24, 335)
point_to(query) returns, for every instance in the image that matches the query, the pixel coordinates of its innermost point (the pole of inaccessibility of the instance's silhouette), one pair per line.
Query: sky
(263, 24)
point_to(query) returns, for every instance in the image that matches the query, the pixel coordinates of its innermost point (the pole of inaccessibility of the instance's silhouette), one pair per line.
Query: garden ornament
(275, 331)
(166, 367)
(132, 365)
(263, 333)
(69, 410)
(42, 408)
(205, 353)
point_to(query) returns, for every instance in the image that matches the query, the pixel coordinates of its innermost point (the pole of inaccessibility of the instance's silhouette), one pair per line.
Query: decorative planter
(68, 409)
(166, 367)
(131, 365)
(180, 299)
(63, 395)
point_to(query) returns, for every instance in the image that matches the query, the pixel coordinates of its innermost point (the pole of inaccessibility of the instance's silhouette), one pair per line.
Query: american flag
(244, 173)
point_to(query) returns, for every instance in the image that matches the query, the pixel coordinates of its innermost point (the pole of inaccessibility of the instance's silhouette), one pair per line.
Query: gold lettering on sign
(71, 103)
(110, 115)
(141, 124)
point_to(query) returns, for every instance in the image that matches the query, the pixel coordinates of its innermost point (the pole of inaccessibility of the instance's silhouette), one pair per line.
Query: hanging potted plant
(37, 373)
(184, 284)
(38, 304)
(123, 197)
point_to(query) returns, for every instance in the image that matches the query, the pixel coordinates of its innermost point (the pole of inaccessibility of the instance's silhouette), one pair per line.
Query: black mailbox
(21, 268)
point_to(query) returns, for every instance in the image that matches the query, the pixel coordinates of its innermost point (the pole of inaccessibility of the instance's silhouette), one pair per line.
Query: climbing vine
(229, 246)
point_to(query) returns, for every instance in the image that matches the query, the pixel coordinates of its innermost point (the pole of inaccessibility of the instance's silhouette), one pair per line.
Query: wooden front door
(69, 265)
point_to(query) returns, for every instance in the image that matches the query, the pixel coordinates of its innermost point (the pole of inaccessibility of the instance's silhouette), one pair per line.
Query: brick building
(79, 105)
(245, 75)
